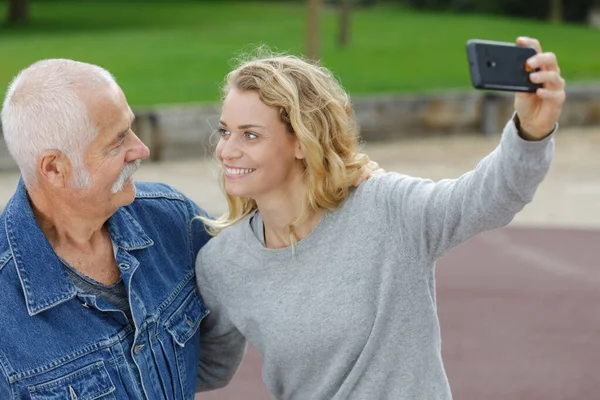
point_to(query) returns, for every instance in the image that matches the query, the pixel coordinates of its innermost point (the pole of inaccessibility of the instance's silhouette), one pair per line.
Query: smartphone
(500, 66)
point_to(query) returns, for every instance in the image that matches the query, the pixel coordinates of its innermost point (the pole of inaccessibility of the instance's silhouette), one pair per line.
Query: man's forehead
(108, 107)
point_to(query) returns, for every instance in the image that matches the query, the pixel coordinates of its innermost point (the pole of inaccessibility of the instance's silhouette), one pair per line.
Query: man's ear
(55, 168)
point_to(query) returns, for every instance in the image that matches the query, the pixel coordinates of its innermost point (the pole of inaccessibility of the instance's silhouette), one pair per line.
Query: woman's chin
(232, 190)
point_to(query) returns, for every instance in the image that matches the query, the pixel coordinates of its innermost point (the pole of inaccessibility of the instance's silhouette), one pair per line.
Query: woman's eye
(250, 135)
(223, 132)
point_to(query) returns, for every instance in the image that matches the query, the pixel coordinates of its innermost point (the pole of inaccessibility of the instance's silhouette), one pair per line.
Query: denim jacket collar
(44, 281)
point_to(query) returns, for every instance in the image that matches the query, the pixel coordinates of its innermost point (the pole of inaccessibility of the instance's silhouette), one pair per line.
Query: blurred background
(518, 306)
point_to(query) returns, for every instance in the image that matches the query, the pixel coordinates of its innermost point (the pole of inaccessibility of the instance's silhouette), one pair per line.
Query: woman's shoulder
(381, 191)
(383, 183)
(226, 242)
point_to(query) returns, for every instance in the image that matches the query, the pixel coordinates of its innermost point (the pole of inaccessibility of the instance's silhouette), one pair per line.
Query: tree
(18, 12)
(556, 11)
(313, 29)
(344, 33)
(594, 14)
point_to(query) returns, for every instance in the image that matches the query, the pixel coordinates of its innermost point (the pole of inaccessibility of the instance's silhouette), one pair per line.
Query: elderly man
(97, 288)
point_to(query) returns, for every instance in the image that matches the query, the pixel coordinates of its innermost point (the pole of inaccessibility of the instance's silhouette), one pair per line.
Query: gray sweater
(352, 313)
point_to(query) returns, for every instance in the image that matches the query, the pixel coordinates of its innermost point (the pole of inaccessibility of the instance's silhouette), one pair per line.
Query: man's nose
(138, 150)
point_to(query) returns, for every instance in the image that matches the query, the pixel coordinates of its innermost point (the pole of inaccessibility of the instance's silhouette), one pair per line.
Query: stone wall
(390, 117)
(174, 132)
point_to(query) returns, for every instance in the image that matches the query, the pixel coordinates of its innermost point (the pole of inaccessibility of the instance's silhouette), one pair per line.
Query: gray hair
(43, 111)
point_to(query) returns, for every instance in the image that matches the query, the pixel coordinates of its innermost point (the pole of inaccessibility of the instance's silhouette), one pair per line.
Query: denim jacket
(59, 343)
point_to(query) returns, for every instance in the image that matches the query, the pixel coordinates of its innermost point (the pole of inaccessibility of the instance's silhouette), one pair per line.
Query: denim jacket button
(72, 394)
(137, 349)
(189, 322)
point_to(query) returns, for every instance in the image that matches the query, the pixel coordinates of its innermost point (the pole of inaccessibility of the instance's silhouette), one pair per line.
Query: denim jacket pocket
(185, 321)
(88, 383)
(183, 329)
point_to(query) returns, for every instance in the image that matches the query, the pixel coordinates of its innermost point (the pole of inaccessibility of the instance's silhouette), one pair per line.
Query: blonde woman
(333, 284)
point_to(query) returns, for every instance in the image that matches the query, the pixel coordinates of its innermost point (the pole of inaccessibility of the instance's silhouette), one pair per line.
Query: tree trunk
(556, 11)
(345, 9)
(594, 16)
(18, 12)
(313, 31)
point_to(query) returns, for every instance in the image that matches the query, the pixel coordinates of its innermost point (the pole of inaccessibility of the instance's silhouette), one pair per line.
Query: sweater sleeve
(223, 346)
(436, 216)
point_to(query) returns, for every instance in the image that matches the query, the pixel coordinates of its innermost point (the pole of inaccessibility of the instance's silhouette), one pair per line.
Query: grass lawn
(177, 52)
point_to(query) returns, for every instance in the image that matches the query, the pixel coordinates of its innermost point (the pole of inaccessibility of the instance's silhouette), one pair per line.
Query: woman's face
(259, 156)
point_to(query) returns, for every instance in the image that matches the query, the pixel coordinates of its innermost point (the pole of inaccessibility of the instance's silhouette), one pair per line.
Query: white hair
(126, 173)
(43, 111)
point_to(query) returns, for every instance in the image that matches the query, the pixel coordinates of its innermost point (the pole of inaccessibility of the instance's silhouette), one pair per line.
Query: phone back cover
(499, 66)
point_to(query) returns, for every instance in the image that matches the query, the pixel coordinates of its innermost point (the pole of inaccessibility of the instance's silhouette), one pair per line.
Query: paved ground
(519, 306)
(520, 317)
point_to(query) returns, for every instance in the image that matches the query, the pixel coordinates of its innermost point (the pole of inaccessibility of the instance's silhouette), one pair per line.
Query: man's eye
(122, 138)
(119, 145)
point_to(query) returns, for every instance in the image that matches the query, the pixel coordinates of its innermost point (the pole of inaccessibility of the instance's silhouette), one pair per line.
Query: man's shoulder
(5, 254)
(159, 204)
(155, 200)
(157, 190)
(4, 246)
(5, 250)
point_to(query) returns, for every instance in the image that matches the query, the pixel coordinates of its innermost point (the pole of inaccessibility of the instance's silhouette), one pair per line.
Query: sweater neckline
(299, 248)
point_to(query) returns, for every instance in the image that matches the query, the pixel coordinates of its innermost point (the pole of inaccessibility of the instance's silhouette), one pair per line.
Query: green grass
(174, 52)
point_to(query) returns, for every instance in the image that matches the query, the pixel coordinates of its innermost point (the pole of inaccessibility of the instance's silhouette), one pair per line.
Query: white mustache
(126, 173)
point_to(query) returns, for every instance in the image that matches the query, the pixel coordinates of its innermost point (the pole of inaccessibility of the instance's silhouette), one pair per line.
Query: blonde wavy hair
(315, 108)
